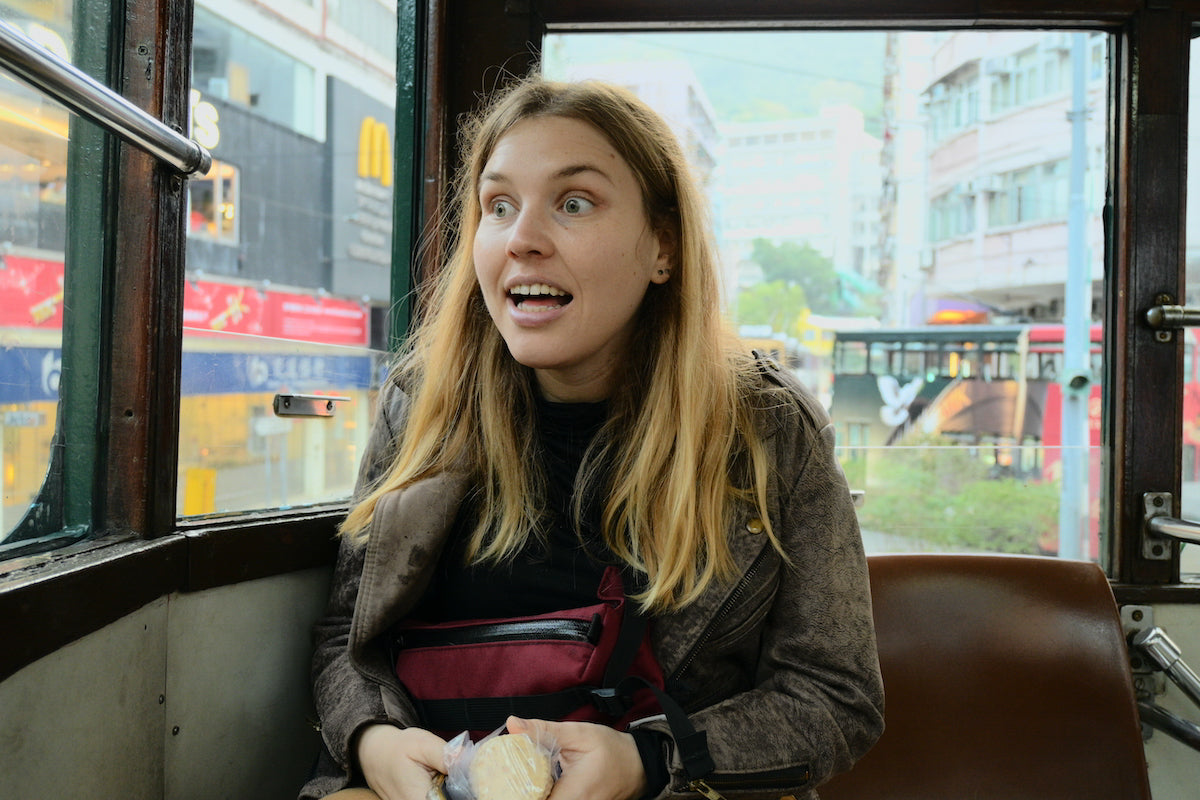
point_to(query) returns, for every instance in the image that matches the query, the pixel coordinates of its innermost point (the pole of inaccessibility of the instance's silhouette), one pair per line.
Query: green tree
(776, 304)
(800, 265)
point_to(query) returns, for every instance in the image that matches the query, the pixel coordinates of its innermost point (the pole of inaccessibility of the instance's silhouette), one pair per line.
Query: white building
(672, 89)
(814, 181)
(998, 168)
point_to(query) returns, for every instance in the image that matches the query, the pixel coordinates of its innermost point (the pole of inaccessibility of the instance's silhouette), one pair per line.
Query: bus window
(850, 358)
(915, 360)
(1190, 487)
(288, 257)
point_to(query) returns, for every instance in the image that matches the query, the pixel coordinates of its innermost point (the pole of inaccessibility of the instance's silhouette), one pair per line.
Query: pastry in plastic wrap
(511, 767)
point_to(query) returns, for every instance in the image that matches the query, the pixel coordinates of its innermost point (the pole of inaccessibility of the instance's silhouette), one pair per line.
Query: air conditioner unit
(986, 183)
(925, 258)
(1057, 40)
(998, 66)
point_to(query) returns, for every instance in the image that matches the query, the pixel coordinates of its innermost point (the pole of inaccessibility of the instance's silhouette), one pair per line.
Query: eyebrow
(566, 172)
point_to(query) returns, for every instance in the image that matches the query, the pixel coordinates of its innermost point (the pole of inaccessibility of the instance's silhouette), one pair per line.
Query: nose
(529, 235)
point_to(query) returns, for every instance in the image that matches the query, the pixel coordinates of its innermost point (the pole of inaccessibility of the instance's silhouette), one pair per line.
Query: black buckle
(610, 702)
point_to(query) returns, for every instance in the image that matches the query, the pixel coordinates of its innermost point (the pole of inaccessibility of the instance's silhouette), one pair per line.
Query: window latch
(306, 405)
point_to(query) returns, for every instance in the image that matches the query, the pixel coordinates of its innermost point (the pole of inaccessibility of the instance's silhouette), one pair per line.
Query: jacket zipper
(771, 779)
(570, 630)
(722, 612)
(705, 785)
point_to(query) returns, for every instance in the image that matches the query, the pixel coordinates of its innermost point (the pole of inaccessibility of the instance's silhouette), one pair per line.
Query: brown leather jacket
(779, 668)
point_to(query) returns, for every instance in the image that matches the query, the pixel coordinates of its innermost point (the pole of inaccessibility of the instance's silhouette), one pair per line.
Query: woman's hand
(598, 763)
(400, 763)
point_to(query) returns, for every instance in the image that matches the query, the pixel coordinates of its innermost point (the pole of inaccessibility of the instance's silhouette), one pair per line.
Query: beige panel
(238, 697)
(86, 721)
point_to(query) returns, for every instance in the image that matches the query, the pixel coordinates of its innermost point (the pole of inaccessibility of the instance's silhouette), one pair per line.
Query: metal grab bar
(1174, 528)
(1172, 317)
(1173, 725)
(89, 98)
(1155, 643)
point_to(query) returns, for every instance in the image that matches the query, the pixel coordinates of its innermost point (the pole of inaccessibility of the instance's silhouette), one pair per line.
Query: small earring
(664, 272)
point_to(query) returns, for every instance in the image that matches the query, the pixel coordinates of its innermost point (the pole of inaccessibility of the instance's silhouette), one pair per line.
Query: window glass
(371, 22)
(33, 181)
(907, 194)
(238, 67)
(288, 255)
(1190, 490)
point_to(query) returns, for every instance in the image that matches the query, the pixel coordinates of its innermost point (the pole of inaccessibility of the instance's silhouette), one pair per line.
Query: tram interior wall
(192, 697)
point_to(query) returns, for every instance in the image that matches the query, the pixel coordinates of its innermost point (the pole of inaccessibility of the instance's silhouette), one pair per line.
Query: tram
(215, 220)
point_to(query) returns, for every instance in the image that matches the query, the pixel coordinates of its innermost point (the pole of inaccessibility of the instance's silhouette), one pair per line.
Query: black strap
(489, 713)
(629, 641)
(691, 743)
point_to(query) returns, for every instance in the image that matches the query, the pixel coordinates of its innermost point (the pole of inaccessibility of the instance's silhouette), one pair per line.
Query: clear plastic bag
(501, 766)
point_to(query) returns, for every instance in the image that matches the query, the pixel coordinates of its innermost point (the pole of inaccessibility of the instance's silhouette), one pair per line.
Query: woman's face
(564, 253)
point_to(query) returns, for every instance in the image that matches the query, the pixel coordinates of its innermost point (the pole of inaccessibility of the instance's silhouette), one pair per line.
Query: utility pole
(1077, 377)
(886, 274)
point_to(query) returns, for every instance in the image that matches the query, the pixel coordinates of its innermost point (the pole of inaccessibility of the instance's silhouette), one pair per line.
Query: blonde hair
(680, 446)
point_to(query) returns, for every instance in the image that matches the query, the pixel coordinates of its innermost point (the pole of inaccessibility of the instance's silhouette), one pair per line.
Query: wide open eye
(501, 209)
(577, 205)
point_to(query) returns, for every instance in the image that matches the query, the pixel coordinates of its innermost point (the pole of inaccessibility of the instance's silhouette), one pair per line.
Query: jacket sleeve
(817, 703)
(345, 699)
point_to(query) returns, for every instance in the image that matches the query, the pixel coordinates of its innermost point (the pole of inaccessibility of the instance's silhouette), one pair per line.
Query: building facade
(814, 181)
(998, 166)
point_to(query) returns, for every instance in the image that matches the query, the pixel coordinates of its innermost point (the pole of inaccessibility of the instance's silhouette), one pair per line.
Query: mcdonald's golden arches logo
(374, 151)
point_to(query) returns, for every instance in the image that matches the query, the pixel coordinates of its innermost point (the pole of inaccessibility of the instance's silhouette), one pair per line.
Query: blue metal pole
(1072, 517)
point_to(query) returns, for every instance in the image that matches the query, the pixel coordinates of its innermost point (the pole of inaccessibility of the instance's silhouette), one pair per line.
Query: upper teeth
(537, 288)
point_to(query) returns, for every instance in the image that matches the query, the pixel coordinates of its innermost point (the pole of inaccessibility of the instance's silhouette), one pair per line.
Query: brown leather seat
(1006, 678)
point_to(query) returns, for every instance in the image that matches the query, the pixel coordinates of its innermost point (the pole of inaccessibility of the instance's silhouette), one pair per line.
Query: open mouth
(538, 297)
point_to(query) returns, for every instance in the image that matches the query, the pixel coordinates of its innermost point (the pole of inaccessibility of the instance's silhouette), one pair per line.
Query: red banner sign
(228, 308)
(31, 293)
(31, 296)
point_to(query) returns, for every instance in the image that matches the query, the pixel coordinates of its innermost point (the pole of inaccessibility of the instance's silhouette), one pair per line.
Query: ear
(666, 256)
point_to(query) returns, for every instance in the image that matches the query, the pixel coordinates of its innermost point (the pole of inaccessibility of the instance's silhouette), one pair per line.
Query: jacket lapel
(408, 532)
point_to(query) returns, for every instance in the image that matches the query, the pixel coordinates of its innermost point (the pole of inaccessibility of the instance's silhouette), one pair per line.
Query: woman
(572, 400)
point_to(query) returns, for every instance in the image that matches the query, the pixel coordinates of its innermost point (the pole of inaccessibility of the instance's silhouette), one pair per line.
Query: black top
(560, 570)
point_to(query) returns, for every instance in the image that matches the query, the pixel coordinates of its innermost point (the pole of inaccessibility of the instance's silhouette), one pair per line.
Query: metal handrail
(1155, 643)
(89, 98)
(1169, 723)
(1174, 528)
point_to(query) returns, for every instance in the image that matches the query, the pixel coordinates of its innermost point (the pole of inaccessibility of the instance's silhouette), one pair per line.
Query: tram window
(1190, 487)
(967, 130)
(33, 194)
(288, 258)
